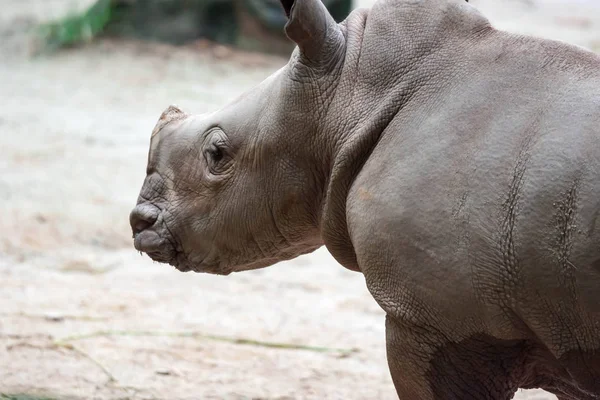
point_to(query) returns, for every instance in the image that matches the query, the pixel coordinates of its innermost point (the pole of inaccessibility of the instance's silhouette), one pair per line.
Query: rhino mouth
(163, 250)
(160, 249)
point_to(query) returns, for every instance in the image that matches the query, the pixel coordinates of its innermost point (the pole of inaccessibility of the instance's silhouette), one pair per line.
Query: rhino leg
(406, 368)
(425, 365)
(474, 370)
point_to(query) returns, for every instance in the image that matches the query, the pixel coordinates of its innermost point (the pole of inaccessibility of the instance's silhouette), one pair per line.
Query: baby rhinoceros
(456, 166)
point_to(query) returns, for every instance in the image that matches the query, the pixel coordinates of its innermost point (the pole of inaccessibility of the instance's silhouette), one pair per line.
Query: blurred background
(82, 315)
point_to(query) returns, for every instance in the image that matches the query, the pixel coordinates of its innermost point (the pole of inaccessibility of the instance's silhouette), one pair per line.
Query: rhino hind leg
(425, 366)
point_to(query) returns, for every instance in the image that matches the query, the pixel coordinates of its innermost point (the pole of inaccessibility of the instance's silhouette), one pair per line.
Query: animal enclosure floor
(83, 316)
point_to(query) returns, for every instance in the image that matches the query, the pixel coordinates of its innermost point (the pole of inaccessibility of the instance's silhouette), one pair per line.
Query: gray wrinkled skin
(456, 166)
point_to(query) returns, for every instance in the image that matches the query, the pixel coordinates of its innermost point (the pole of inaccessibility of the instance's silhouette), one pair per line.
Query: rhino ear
(311, 27)
(172, 113)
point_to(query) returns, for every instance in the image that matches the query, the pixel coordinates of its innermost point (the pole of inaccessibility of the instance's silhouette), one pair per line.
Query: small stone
(164, 372)
(54, 318)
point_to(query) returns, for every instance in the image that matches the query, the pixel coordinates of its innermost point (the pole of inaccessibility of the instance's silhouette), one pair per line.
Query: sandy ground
(83, 316)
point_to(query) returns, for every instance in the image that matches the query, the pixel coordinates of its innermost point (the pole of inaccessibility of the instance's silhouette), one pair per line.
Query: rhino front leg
(423, 367)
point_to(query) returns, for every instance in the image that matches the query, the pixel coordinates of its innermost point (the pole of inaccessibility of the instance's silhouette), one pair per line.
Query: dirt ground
(83, 316)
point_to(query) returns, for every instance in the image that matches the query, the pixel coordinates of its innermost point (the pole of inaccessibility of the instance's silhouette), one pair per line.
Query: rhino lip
(156, 247)
(163, 250)
(148, 241)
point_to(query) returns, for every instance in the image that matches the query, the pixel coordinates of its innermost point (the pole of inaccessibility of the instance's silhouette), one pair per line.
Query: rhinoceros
(454, 165)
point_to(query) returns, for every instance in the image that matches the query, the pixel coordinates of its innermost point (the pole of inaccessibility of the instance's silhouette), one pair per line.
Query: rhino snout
(142, 219)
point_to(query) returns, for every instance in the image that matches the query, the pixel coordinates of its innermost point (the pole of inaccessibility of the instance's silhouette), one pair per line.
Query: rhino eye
(215, 153)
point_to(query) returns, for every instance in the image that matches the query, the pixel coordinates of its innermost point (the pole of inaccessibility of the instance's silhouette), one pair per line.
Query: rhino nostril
(141, 219)
(141, 226)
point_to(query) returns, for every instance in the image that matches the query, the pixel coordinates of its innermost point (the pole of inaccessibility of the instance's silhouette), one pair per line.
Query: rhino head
(266, 178)
(243, 187)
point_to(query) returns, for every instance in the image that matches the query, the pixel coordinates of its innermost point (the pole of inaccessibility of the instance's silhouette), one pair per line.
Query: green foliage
(177, 22)
(77, 28)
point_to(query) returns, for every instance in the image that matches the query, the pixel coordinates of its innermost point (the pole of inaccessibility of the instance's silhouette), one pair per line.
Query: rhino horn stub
(172, 113)
(312, 28)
